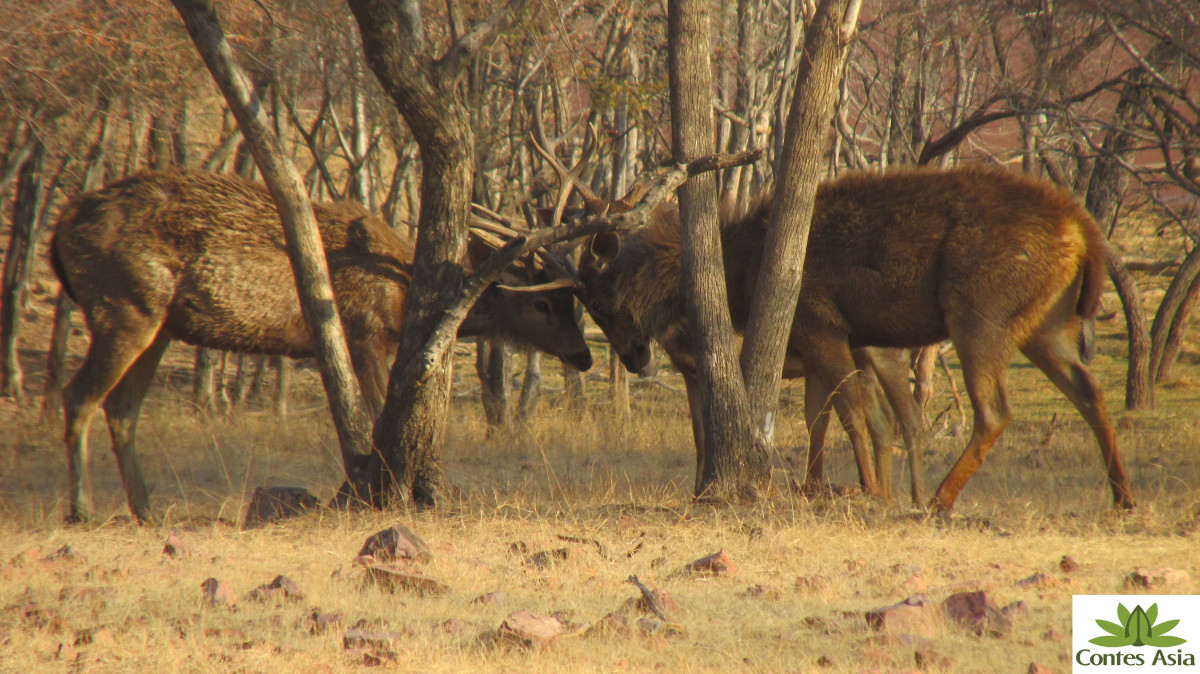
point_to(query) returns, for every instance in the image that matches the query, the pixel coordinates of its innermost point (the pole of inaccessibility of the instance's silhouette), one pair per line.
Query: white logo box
(1153, 625)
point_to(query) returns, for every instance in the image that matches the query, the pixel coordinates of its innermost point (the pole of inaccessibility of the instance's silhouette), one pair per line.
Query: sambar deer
(200, 257)
(992, 260)
(653, 311)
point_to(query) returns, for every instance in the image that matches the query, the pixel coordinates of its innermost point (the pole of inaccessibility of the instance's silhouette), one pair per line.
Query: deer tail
(1092, 285)
(59, 270)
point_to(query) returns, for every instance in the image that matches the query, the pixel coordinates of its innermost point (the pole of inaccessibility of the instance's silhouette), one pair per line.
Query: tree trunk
(204, 379)
(826, 42)
(411, 428)
(56, 359)
(1174, 305)
(1170, 352)
(16, 270)
(300, 233)
(734, 459)
(492, 366)
(1139, 392)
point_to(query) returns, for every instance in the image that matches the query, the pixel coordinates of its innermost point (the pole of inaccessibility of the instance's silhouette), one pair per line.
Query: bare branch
(481, 34)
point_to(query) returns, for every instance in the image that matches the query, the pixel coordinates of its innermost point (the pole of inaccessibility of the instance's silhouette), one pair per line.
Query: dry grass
(1040, 495)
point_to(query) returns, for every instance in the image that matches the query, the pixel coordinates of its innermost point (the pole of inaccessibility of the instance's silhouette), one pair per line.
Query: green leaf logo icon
(1137, 628)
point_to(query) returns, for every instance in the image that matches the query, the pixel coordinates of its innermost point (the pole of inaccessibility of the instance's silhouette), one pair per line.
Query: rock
(451, 626)
(911, 616)
(1140, 579)
(319, 623)
(976, 612)
(761, 592)
(1053, 635)
(612, 624)
(271, 504)
(282, 588)
(396, 544)
(927, 657)
(1039, 580)
(812, 583)
(826, 661)
(218, 593)
(529, 630)
(1035, 668)
(174, 546)
(361, 637)
(717, 563)
(496, 597)
(546, 558)
(1172, 577)
(393, 578)
(1068, 564)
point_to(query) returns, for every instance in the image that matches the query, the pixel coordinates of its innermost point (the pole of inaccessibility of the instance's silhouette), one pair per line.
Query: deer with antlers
(199, 257)
(993, 261)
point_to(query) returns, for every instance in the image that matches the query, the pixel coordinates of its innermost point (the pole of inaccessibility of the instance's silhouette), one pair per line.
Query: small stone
(360, 637)
(319, 623)
(1172, 577)
(218, 593)
(281, 588)
(826, 661)
(761, 592)
(976, 612)
(1035, 668)
(396, 544)
(1053, 635)
(1068, 564)
(1039, 580)
(271, 504)
(393, 578)
(665, 600)
(812, 583)
(529, 630)
(911, 616)
(547, 558)
(926, 657)
(174, 546)
(612, 624)
(496, 597)
(717, 563)
(452, 626)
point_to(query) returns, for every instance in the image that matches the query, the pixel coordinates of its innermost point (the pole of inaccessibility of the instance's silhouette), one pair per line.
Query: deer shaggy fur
(200, 257)
(992, 260)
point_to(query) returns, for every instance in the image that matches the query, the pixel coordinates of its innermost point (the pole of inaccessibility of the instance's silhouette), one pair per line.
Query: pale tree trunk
(411, 428)
(22, 239)
(826, 42)
(1174, 342)
(300, 233)
(734, 457)
(1172, 315)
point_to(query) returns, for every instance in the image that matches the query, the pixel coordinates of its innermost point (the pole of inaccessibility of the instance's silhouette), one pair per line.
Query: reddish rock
(613, 624)
(812, 583)
(218, 593)
(1039, 580)
(826, 661)
(1035, 668)
(529, 630)
(911, 616)
(271, 504)
(976, 612)
(360, 637)
(1068, 564)
(396, 544)
(666, 601)
(282, 588)
(1053, 635)
(496, 597)
(319, 623)
(717, 563)
(393, 578)
(451, 626)
(174, 546)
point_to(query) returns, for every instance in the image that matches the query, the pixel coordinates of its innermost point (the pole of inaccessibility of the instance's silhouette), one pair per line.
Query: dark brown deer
(994, 261)
(200, 257)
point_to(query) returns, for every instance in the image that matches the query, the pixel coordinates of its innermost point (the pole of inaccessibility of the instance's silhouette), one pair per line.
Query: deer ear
(605, 246)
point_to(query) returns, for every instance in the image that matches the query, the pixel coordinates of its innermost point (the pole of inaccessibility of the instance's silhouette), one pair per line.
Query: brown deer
(200, 257)
(994, 261)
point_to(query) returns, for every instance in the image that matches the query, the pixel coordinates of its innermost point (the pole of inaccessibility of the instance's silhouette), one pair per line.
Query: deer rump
(992, 260)
(201, 258)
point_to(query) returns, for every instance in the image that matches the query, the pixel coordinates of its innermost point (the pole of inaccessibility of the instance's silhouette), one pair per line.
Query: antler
(496, 231)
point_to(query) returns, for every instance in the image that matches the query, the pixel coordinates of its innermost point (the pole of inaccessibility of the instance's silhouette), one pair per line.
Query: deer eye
(542, 306)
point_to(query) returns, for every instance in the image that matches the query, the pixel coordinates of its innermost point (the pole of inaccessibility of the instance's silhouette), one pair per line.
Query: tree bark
(734, 458)
(492, 366)
(1174, 343)
(1139, 392)
(16, 270)
(826, 42)
(1173, 306)
(303, 239)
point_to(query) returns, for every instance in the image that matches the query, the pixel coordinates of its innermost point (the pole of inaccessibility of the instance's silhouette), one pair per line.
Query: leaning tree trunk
(733, 456)
(1173, 310)
(826, 42)
(1174, 343)
(16, 270)
(301, 235)
(1139, 392)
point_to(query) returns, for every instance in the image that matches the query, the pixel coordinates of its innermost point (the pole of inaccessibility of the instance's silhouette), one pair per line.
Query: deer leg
(111, 352)
(880, 425)
(370, 368)
(696, 411)
(832, 362)
(122, 408)
(891, 367)
(983, 362)
(1058, 357)
(817, 409)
